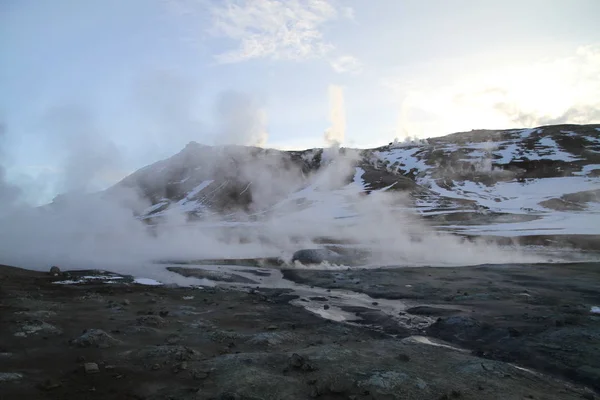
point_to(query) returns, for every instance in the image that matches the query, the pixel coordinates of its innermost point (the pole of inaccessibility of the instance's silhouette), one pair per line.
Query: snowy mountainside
(544, 179)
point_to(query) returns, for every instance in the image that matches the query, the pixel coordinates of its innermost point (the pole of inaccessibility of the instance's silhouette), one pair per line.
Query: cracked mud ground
(128, 341)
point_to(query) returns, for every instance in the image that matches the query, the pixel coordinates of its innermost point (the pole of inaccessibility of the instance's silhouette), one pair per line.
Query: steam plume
(334, 136)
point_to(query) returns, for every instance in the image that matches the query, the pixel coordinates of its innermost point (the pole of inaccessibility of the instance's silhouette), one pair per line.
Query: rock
(50, 384)
(272, 327)
(152, 321)
(180, 367)
(200, 374)
(54, 271)
(91, 368)
(513, 332)
(326, 307)
(34, 327)
(125, 302)
(165, 354)
(96, 338)
(316, 256)
(10, 376)
(296, 361)
(432, 311)
(403, 357)
(421, 384)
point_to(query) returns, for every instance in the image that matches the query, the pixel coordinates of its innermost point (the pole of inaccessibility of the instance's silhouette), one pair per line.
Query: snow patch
(146, 281)
(196, 190)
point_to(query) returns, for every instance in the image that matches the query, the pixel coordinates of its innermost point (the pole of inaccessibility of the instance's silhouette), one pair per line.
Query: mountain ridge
(457, 176)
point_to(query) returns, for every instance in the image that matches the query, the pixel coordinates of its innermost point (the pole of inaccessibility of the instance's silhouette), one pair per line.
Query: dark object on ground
(316, 256)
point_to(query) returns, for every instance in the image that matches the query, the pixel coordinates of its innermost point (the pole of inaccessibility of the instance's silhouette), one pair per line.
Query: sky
(92, 90)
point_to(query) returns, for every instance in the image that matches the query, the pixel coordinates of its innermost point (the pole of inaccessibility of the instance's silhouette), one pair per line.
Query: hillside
(544, 179)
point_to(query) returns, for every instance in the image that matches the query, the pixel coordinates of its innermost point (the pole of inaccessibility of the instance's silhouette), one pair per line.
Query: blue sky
(105, 87)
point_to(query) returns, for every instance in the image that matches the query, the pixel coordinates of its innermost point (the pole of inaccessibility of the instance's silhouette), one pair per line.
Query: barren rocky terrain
(501, 332)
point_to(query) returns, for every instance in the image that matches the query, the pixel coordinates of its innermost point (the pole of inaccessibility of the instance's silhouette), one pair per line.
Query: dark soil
(537, 316)
(127, 341)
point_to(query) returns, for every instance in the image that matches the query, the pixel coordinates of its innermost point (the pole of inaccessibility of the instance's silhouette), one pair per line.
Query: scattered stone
(91, 368)
(96, 338)
(180, 367)
(126, 302)
(296, 361)
(34, 327)
(151, 320)
(375, 303)
(421, 384)
(50, 384)
(200, 374)
(40, 314)
(155, 367)
(172, 339)
(403, 357)
(513, 332)
(10, 376)
(326, 307)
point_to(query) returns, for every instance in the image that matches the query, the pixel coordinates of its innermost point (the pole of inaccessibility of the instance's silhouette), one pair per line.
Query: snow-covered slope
(511, 182)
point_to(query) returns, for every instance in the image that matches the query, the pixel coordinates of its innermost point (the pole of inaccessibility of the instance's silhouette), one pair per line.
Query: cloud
(268, 29)
(578, 114)
(334, 136)
(276, 29)
(346, 64)
(551, 91)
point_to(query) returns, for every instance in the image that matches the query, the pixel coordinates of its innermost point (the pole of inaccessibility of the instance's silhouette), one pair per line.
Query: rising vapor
(334, 135)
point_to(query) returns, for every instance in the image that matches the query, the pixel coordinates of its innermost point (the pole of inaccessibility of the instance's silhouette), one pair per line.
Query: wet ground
(488, 332)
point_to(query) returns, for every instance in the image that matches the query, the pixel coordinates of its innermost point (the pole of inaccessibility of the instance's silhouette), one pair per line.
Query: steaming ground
(94, 232)
(414, 203)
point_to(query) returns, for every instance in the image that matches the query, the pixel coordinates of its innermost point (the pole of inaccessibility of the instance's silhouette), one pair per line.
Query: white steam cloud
(290, 207)
(100, 231)
(9, 193)
(90, 158)
(334, 135)
(241, 120)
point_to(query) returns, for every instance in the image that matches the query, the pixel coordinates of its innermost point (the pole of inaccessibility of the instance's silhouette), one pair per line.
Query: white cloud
(268, 29)
(560, 90)
(346, 64)
(276, 29)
